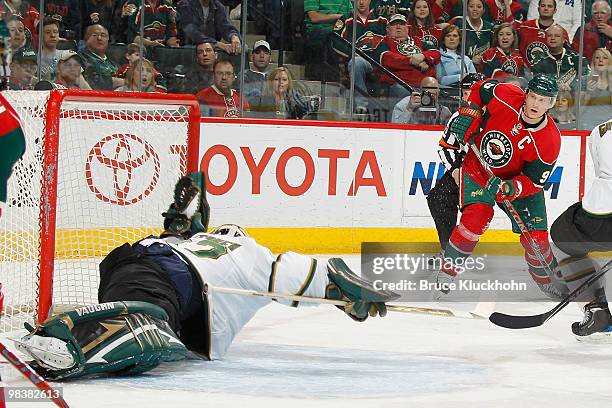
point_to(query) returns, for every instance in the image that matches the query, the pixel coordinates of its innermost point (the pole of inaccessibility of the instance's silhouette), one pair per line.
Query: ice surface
(317, 357)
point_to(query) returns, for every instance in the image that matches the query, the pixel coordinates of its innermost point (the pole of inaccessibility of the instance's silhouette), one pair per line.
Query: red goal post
(99, 169)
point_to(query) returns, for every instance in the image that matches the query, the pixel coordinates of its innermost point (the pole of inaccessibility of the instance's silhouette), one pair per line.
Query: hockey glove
(361, 297)
(189, 212)
(509, 189)
(500, 189)
(468, 121)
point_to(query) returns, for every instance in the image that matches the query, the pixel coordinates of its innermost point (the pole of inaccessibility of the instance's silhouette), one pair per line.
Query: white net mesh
(117, 166)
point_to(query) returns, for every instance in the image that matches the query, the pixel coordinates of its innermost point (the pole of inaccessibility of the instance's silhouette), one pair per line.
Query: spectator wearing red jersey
(500, 11)
(598, 31)
(504, 58)
(408, 58)
(28, 14)
(220, 99)
(421, 24)
(443, 10)
(532, 33)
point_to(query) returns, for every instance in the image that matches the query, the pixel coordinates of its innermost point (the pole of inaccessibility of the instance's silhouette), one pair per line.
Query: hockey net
(98, 171)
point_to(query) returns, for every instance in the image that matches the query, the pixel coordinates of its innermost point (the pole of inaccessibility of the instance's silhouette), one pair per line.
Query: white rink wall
(344, 175)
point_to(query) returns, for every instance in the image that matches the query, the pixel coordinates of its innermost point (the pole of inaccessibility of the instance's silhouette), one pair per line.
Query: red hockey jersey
(497, 64)
(431, 36)
(220, 105)
(395, 56)
(532, 40)
(512, 152)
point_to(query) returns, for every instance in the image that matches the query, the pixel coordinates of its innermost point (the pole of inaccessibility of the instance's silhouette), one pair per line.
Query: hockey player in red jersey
(520, 143)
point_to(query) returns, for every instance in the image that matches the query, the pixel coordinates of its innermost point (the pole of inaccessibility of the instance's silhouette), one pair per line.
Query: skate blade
(596, 338)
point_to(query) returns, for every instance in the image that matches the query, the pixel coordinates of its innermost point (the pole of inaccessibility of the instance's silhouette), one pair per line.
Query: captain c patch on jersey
(496, 149)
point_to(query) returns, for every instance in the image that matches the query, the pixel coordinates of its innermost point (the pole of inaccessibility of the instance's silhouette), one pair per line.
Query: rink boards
(327, 188)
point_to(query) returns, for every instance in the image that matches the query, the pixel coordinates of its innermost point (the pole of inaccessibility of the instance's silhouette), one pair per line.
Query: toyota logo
(126, 160)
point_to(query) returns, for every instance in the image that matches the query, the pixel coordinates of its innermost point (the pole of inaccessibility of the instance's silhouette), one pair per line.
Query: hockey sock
(536, 269)
(474, 222)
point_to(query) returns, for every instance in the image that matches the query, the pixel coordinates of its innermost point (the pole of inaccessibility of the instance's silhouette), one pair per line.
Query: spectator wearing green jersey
(320, 17)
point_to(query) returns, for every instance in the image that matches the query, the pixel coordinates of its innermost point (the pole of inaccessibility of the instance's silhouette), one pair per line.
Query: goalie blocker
(153, 309)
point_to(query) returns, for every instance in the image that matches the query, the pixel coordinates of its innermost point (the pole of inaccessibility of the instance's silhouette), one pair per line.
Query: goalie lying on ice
(153, 307)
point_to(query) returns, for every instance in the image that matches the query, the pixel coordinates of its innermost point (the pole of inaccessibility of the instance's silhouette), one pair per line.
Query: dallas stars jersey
(532, 40)
(241, 263)
(598, 198)
(368, 33)
(12, 144)
(497, 64)
(512, 152)
(564, 67)
(477, 41)
(395, 56)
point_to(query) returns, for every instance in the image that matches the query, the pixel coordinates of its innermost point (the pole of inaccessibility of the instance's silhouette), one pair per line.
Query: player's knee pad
(476, 218)
(116, 337)
(573, 270)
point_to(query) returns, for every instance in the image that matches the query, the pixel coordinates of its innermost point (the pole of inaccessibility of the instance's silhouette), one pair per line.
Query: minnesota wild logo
(408, 48)
(430, 42)
(510, 67)
(496, 149)
(535, 50)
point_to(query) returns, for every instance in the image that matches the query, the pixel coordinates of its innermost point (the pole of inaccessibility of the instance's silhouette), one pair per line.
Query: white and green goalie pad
(122, 338)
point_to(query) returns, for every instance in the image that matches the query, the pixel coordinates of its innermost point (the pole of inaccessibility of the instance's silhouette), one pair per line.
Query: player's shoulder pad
(604, 128)
(548, 142)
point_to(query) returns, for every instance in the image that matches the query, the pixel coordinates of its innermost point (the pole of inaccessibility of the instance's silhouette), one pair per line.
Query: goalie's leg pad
(363, 299)
(118, 337)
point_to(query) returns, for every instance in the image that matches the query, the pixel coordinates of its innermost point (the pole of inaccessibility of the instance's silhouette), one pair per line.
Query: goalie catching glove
(189, 213)
(363, 300)
(467, 123)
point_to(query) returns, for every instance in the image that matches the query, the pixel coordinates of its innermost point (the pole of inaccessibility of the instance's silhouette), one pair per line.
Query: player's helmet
(471, 79)
(231, 230)
(544, 85)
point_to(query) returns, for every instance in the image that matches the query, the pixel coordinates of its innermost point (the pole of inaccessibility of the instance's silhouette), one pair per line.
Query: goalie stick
(525, 322)
(390, 308)
(29, 373)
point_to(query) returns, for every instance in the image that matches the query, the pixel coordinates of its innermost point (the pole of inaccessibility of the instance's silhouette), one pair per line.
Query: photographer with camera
(422, 108)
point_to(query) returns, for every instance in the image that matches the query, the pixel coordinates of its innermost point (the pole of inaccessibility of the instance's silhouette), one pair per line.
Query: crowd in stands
(408, 60)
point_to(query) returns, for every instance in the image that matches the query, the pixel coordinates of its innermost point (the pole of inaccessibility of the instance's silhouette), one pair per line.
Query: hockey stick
(525, 322)
(391, 308)
(29, 373)
(515, 215)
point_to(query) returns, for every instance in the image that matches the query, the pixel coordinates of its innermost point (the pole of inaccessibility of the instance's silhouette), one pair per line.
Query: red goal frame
(48, 199)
